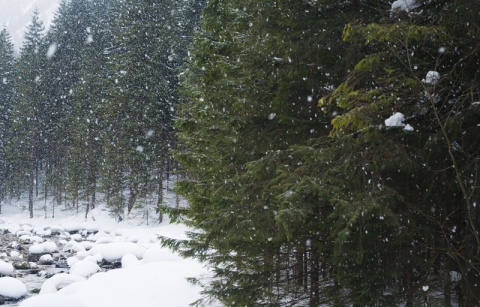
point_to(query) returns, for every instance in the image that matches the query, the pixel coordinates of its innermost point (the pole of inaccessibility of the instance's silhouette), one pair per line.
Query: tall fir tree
(256, 72)
(7, 96)
(410, 105)
(66, 40)
(85, 152)
(143, 97)
(26, 147)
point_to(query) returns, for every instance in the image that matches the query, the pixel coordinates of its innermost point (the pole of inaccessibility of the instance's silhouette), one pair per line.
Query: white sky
(16, 14)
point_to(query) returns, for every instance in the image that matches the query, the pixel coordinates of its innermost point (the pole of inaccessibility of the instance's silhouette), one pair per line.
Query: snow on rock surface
(115, 251)
(46, 259)
(11, 288)
(73, 246)
(50, 247)
(157, 254)
(149, 285)
(84, 268)
(5, 268)
(59, 281)
(36, 249)
(45, 247)
(50, 300)
(129, 260)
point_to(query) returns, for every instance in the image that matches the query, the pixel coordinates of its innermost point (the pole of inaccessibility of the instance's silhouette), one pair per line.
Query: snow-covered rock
(11, 288)
(148, 288)
(59, 281)
(44, 233)
(43, 248)
(6, 268)
(73, 228)
(50, 247)
(57, 229)
(36, 249)
(129, 260)
(87, 244)
(84, 268)
(36, 239)
(24, 238)
(73, 246)
(76, 237)
(22, 233)
(115, 251)
(46, 259)
(157, 254)
(51, 300)
(22, 265)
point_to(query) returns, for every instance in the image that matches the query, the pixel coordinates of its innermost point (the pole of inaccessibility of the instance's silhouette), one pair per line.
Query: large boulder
(11, 289)
(6, 269)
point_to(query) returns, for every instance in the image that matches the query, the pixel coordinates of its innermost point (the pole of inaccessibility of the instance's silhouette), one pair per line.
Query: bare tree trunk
(87, 209)
(94, 191)
(447, 284)
(132, 198)
(160, 191)
(36, 180)
(30, 192)
(299, 258)
(314, 278)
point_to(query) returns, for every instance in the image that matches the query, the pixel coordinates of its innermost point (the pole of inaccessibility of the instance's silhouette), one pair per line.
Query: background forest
(330, 148)
(87, 106)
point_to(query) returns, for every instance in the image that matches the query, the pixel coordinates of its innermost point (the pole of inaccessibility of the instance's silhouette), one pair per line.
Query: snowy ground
(150, 275)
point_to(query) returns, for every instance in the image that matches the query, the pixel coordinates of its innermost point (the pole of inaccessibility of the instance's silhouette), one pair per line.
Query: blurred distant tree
(27, 146)
(7, 96)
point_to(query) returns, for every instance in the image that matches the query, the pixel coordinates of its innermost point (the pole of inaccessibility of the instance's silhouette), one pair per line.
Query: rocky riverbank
(32, 256)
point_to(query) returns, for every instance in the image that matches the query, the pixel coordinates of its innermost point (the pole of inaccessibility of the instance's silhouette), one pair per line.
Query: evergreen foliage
(26, 150)
(7, 96)
(142, 98)
(82, 126)
(330, 148)
(296, 207)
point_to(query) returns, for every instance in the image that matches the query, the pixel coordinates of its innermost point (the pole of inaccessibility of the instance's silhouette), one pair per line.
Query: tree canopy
(332, 149)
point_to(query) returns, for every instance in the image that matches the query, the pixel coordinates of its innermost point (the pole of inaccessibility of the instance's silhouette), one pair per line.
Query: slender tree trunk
(447, 284)
(314, 278)
(132, 198)
(36, 179)
(408, 287)
(94, 192)
(87, 209)
(30, 191)
(45, 202)
(305, 270)
(299, 255)
(75, 202)
(160, 191)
